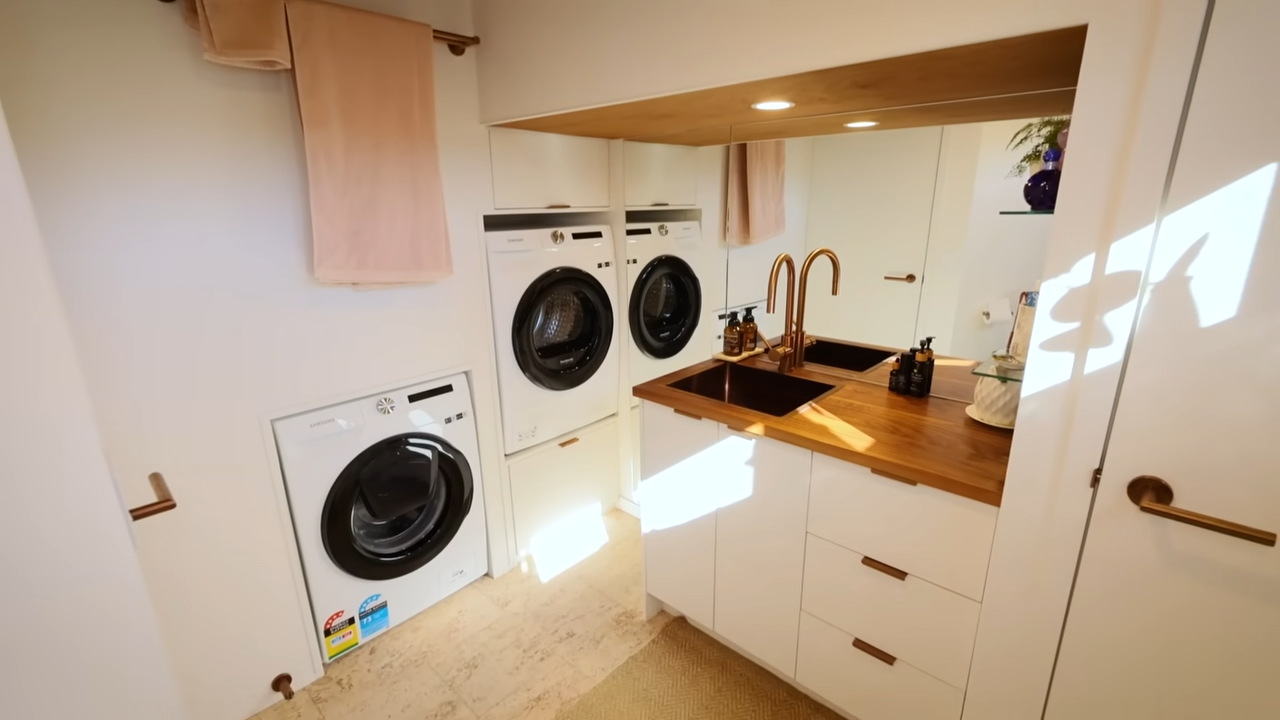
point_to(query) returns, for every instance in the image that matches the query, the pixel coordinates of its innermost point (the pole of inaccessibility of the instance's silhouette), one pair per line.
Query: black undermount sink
(845, 356)
(771, 393)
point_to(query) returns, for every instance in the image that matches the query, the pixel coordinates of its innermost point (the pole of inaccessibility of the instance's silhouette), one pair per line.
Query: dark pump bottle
(732, 335)
(900, 375)
(920, 381)
(750, 330)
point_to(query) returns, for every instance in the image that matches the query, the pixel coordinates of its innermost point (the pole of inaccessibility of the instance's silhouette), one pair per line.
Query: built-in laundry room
(487, 359)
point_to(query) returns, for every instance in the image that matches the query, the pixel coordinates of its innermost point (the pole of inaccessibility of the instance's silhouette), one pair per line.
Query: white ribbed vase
(996, 401)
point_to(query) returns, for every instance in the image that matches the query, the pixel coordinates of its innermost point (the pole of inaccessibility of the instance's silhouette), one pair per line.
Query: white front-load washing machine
(666, 313)
(387, 506)
(554, 294)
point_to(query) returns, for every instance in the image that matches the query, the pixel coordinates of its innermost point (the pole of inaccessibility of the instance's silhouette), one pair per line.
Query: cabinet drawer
(929, 533)
(865, 686)
(931, 628)
(555, 485)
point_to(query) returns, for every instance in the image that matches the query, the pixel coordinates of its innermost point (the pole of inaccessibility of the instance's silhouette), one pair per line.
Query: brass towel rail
(458, 44)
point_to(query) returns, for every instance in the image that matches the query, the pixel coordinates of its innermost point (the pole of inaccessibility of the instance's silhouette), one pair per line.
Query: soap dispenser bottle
(917, 385)
(732, 335)
(927, 346)
(750, 330)
(901, 382)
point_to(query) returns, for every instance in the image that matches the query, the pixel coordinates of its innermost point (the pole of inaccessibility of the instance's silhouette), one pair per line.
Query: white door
(1169, 620)
(870, 200)
(81, 638)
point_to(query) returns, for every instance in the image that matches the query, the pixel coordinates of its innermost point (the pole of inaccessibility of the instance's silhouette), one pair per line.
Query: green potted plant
(1034, 138)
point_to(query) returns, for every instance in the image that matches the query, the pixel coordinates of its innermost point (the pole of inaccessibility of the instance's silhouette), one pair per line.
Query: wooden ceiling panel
(1011, 66)
(1027, 105)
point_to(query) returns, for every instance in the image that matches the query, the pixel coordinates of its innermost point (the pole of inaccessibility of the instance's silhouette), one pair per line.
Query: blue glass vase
(1041, 190)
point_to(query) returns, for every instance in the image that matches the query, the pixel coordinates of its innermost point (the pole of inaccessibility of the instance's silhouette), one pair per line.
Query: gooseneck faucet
(799, 340)
(785, 353)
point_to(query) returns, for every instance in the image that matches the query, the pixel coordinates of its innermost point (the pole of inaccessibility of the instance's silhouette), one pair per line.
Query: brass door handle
(908, 278)
(164, 499)
(569, 442)
(874, 651)
(1155, 496)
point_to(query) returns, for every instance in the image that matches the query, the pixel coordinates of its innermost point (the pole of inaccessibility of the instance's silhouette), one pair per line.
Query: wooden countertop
(930, 441)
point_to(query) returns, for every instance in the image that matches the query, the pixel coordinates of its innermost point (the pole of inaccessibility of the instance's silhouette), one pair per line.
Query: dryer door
(562, 329)
(396, 506)
(666, 302)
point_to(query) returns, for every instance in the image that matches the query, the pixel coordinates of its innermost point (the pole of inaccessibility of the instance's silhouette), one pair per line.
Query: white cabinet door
(680, 491)
(760, 542)
(558, 493)
(542, 170)
(1171, 620)
(658, 175)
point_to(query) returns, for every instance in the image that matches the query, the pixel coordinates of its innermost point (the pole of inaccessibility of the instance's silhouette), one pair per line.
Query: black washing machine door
(666, 303)
(396, 506)
(562, 329)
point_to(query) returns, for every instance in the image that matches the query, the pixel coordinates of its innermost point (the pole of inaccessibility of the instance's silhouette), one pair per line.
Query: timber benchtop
(930, 441)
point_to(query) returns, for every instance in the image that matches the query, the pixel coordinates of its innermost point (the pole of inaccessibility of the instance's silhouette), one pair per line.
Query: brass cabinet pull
(874, 652)
(558, 207)
(164, 499)
(891, 476)
(569, 442)
(908, 278)
(686, 414)
(889, 570)
(659, 204)
(1155, 496)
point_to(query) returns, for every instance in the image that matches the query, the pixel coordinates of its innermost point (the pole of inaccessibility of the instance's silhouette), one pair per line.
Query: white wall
(81, 632)
(553, 55)
(172, 194)
(1003, 254)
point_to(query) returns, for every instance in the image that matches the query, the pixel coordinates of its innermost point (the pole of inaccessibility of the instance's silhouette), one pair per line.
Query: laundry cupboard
(658, 175)
(533, 170)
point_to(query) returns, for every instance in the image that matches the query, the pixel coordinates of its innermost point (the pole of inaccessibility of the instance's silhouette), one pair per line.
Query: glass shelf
(1026, 212)
(992, 370)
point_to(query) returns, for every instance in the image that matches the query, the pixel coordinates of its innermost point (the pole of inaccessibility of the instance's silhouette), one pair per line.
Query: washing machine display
(666, 302)
(396, 506)
(562, 328)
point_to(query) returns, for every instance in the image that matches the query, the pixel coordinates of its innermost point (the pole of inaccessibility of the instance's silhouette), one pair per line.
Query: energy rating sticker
(374, 617)
(340, 635)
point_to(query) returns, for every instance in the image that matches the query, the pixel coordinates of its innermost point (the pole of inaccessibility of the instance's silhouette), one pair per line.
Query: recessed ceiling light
(862, 124)
(773, 105)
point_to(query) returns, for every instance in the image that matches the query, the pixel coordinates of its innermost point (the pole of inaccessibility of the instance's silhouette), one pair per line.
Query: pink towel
(243, 33)
(756, 207)
(367, 98)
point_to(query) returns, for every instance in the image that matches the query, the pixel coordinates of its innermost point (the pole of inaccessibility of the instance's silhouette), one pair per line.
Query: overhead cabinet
(659, 175)
(534, 170)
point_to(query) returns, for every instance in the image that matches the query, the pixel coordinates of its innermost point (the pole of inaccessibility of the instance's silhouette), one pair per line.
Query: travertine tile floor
(498, 649)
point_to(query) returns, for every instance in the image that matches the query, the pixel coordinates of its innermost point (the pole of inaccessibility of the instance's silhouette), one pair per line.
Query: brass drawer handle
(874, 652)
(891, 476)
(889, 570)
(908, 278)
(1155, 496)
(686, 414)
(569, 442)
(164, 499)
(558, 207)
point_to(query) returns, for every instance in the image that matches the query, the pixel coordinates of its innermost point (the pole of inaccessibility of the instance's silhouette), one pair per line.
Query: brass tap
(799, 340)
(784, 354)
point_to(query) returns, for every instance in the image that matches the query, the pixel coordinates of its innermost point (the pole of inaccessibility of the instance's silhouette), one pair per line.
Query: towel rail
(458, 44)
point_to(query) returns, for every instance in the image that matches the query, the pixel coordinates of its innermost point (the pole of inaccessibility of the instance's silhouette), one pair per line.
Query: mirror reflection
(915, 217)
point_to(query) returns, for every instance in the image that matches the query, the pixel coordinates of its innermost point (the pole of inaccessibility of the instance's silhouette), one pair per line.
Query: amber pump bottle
(750, 331)
(732, 335)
